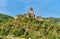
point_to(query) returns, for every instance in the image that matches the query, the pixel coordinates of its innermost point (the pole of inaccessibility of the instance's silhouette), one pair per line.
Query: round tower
(31, 12)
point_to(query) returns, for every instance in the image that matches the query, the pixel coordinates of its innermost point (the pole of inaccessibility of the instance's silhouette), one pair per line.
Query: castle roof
(31, 9)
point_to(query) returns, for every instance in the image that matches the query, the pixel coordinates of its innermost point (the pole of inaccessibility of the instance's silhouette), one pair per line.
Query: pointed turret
(31, 13)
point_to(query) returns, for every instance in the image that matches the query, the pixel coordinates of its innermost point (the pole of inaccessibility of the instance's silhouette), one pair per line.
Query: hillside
(5, 18)
(52, 19)
(24, 27)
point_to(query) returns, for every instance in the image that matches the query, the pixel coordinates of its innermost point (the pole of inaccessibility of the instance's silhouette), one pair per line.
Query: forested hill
(5, 18)
(23, 27)
(52, 19)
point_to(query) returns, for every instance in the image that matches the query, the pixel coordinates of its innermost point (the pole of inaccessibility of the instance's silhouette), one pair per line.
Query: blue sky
(44, 8)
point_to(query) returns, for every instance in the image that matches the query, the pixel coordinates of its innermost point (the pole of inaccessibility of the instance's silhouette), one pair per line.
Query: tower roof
(31, 9)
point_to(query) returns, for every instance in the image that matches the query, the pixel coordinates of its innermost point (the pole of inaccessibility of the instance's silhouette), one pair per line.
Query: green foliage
(29, 28)
(18, 32)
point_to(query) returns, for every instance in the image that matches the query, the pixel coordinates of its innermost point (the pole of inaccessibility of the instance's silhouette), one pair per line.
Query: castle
(30, 14)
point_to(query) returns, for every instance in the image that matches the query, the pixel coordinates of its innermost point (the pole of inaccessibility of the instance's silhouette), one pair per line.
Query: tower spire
(31, 10)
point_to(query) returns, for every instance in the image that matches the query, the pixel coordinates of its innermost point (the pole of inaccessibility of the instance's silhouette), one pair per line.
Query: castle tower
(31, 12)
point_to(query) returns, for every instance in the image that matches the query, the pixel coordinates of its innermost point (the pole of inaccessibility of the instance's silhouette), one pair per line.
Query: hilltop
(28, 26)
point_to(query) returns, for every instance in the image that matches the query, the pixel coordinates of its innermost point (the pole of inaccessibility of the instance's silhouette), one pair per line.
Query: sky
(44, 8)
